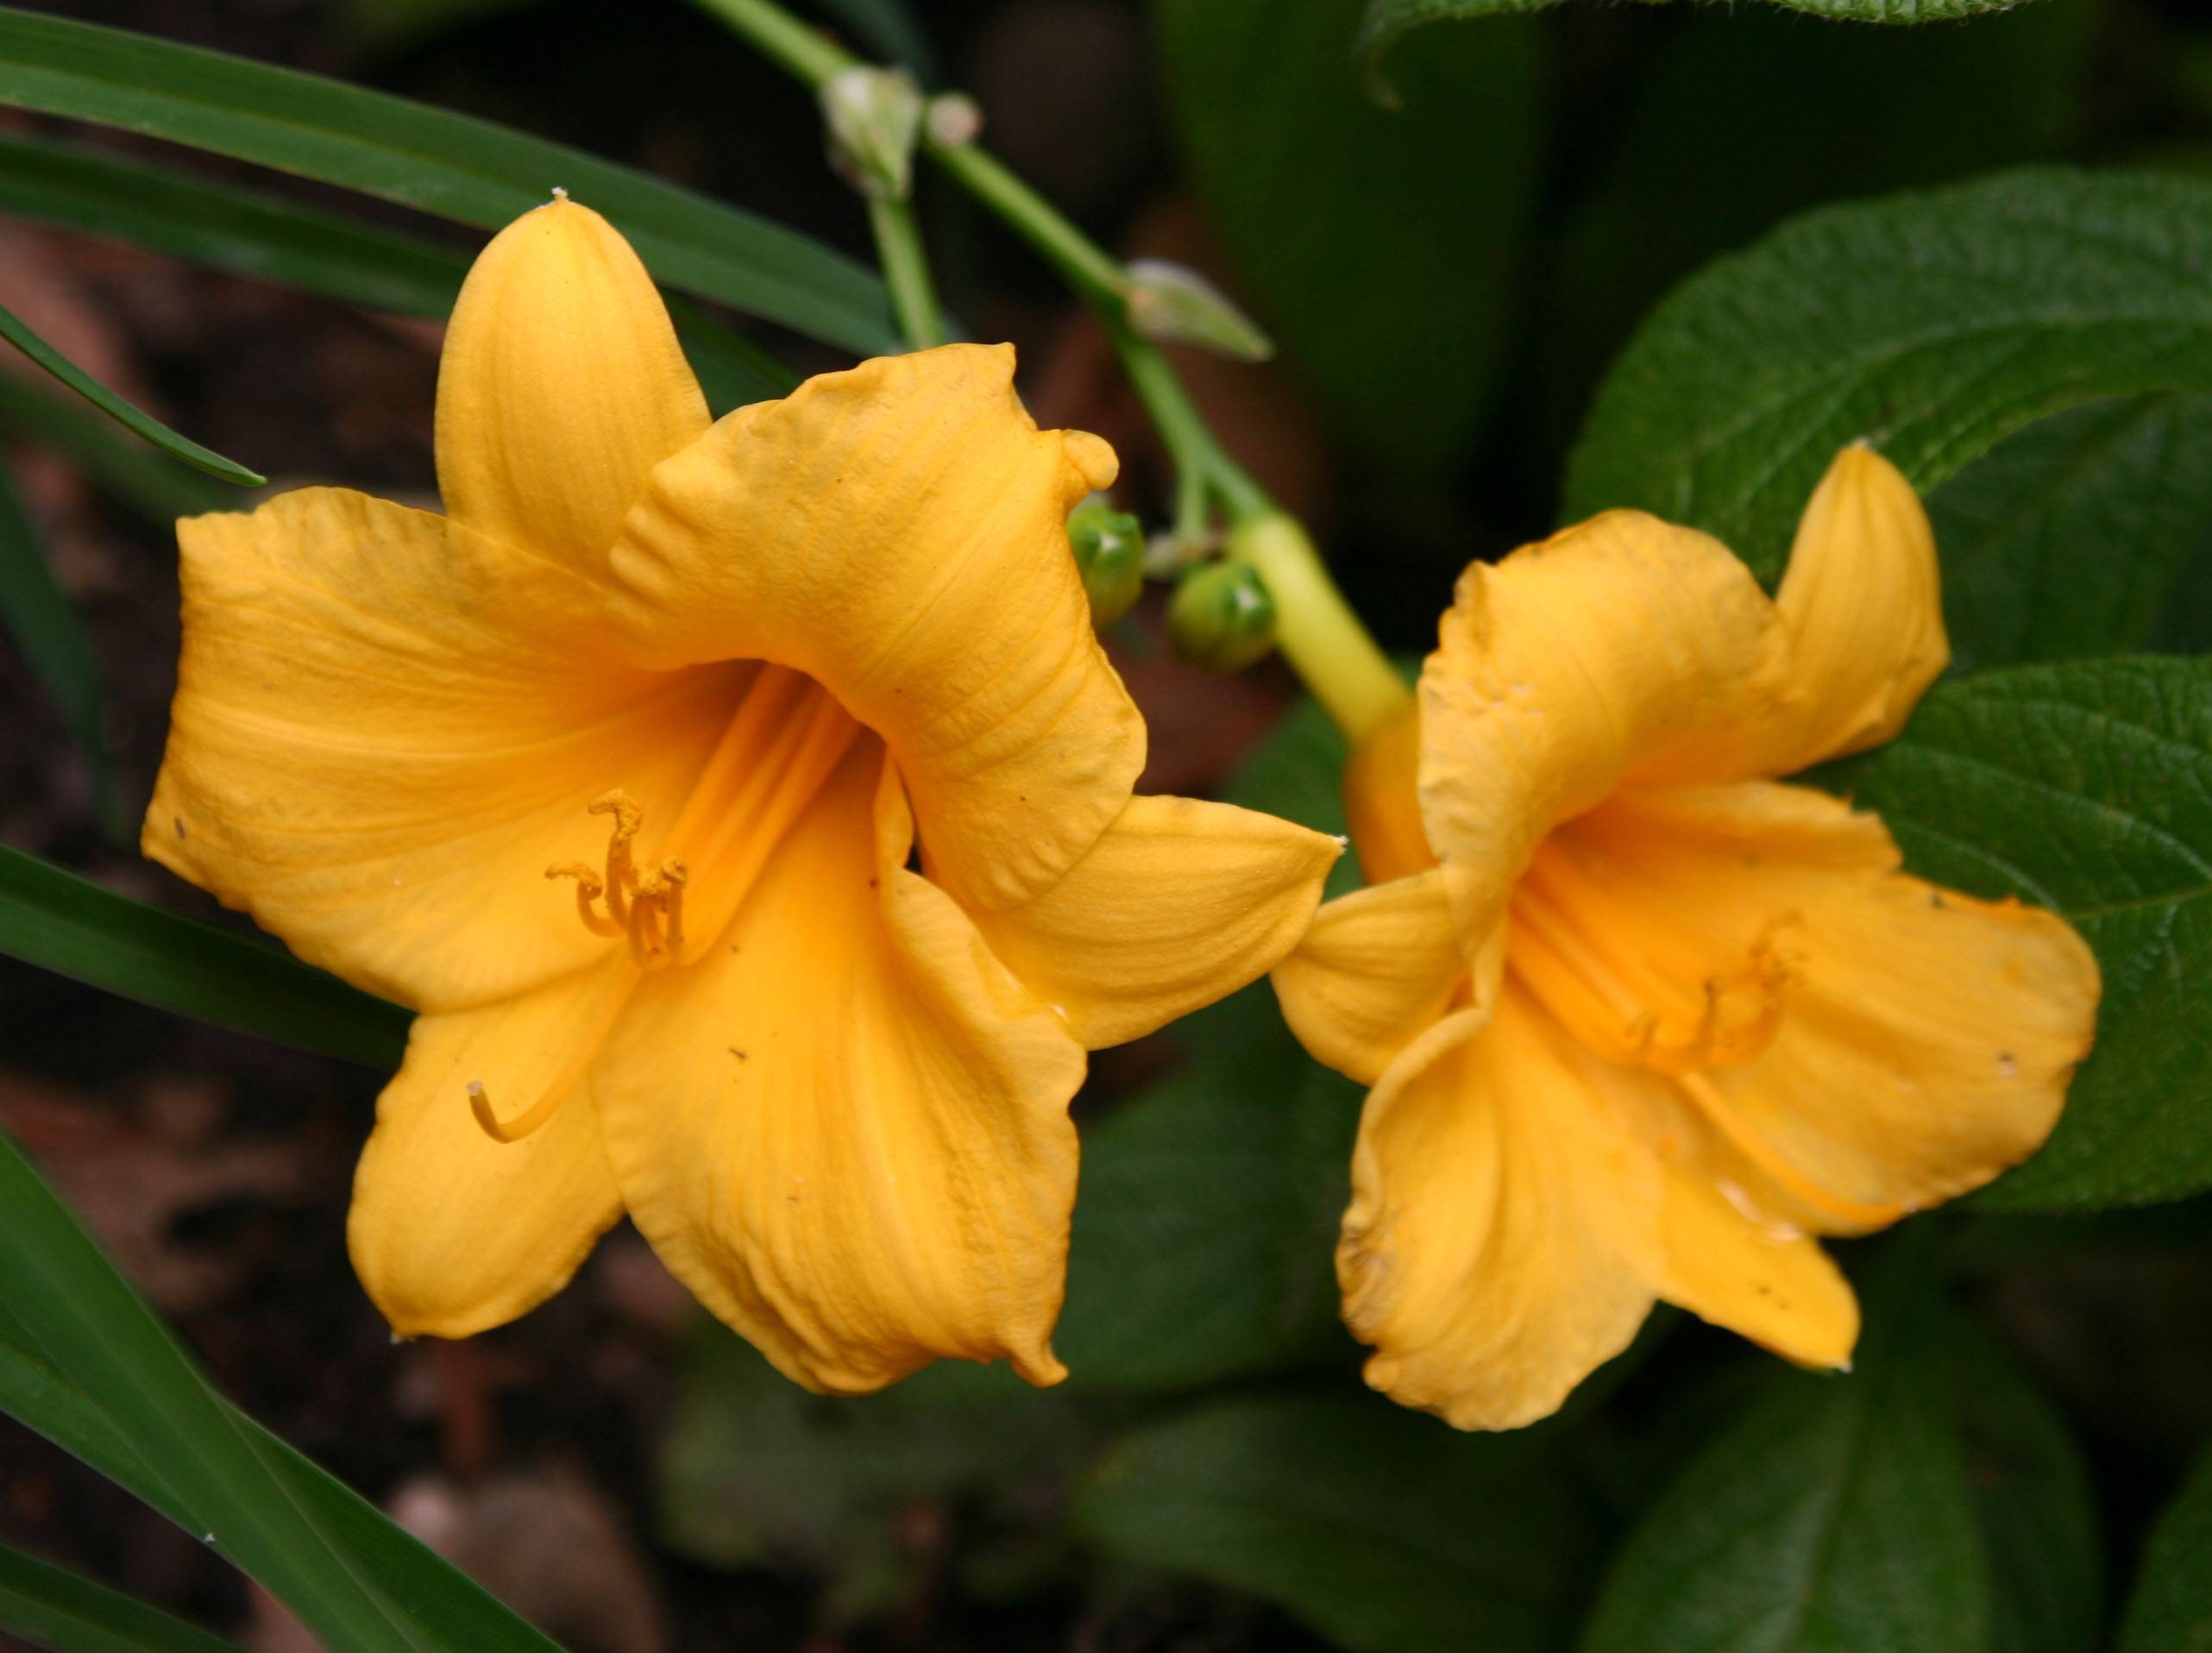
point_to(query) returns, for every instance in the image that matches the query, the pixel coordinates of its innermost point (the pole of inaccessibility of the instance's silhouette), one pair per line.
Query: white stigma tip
(476, 1087)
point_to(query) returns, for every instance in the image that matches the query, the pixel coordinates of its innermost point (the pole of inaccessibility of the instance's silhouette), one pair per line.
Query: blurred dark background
(1447, 284)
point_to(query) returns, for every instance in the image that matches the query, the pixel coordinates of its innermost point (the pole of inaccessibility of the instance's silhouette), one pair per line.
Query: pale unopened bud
(1109, 552)
(1222, 617)
(1173, 303)
(874, 117)
(953, 118)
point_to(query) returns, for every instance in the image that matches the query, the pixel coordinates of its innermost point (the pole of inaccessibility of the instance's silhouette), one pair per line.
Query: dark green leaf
(2031, 1492)
(1377, 249)
(63, 923)
(450, 165)
(139, 478)
(1382, 1529)
(123, 412)
(2071, 539)
(2085, 787)
(84, 1363)
(53, 1609)
(248, 233)
(755, 1471)
(1835, 1516)
(1386, 21)
(1202, 1241)
(1934, 325)
(1928, 106)
(2172, 1609)
(43, 625)
(100, 1339)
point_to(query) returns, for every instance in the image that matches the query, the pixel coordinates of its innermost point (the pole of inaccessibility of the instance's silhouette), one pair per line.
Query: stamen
(673, 876)
(589, 890)
(621, 877)
(1840, 1210)
(532, 1119)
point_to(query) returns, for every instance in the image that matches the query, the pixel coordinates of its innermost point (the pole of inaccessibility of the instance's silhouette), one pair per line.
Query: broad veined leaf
(357, 1589)
(2032, 1494)
(42, 625)
(58, 1610)
(1381, 1528)
(453, 165)
(1202, 1241)
(1834, 1516)
(2071, 539)
(1928, 106)
(2170, 1611)
(250, 232)
(1934, 325)
(2085, 787)
(70, 926)
(1386, 21)
(134, 419)
(1378, 250)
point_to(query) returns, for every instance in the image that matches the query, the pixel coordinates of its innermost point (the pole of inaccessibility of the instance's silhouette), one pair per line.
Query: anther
(621, 877)
(589, 890)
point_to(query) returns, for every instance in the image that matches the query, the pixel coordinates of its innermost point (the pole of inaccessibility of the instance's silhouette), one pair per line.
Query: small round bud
(1109, 551)
(874, 117)
(1222, 617)
(953, 118)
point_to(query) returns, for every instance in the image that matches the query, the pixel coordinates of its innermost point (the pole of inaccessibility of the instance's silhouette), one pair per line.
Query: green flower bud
(1170, 304)
(1222, 617)
(874, 117)
(1109, 550)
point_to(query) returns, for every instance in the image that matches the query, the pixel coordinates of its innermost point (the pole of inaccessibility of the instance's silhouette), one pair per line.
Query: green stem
(1319, 634)
(1315, 627)
(906, 271)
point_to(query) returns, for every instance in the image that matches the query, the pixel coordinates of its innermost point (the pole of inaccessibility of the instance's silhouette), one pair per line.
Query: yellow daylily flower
(745, 807)
(1640, 1022)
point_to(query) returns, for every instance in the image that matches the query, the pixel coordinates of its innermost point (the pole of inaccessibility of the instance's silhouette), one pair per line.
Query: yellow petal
(1864, 608)
(562, 387)
(846, 1129)
(1177, 904)
(1504, 1228)
(1926, 1038)
(452, 1232)
(1376, 969)
(1618, 650)
(386, 726)
(898, 532)
(1731, 1265)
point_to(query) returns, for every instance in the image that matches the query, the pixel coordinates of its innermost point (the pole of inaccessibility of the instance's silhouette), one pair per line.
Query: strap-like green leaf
(84, 1362)
(132, 473)
(457, 167)
(2085, 787)
(248, 233)
(1934, 325)
(53, 1609)
(70, 925)
(123, 412)
(42, 624)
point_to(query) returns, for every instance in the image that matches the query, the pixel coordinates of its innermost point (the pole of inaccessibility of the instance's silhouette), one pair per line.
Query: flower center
(782, 741)
(1642, 985)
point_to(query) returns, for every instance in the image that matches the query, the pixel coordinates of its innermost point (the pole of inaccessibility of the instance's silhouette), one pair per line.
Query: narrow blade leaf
(452, 166)
(43, 625)
(58, 1610)
(69, 925)
(131, 418)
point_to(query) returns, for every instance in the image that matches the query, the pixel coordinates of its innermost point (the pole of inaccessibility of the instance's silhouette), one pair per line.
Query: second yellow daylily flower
(745, 807)
(1640, 1022)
